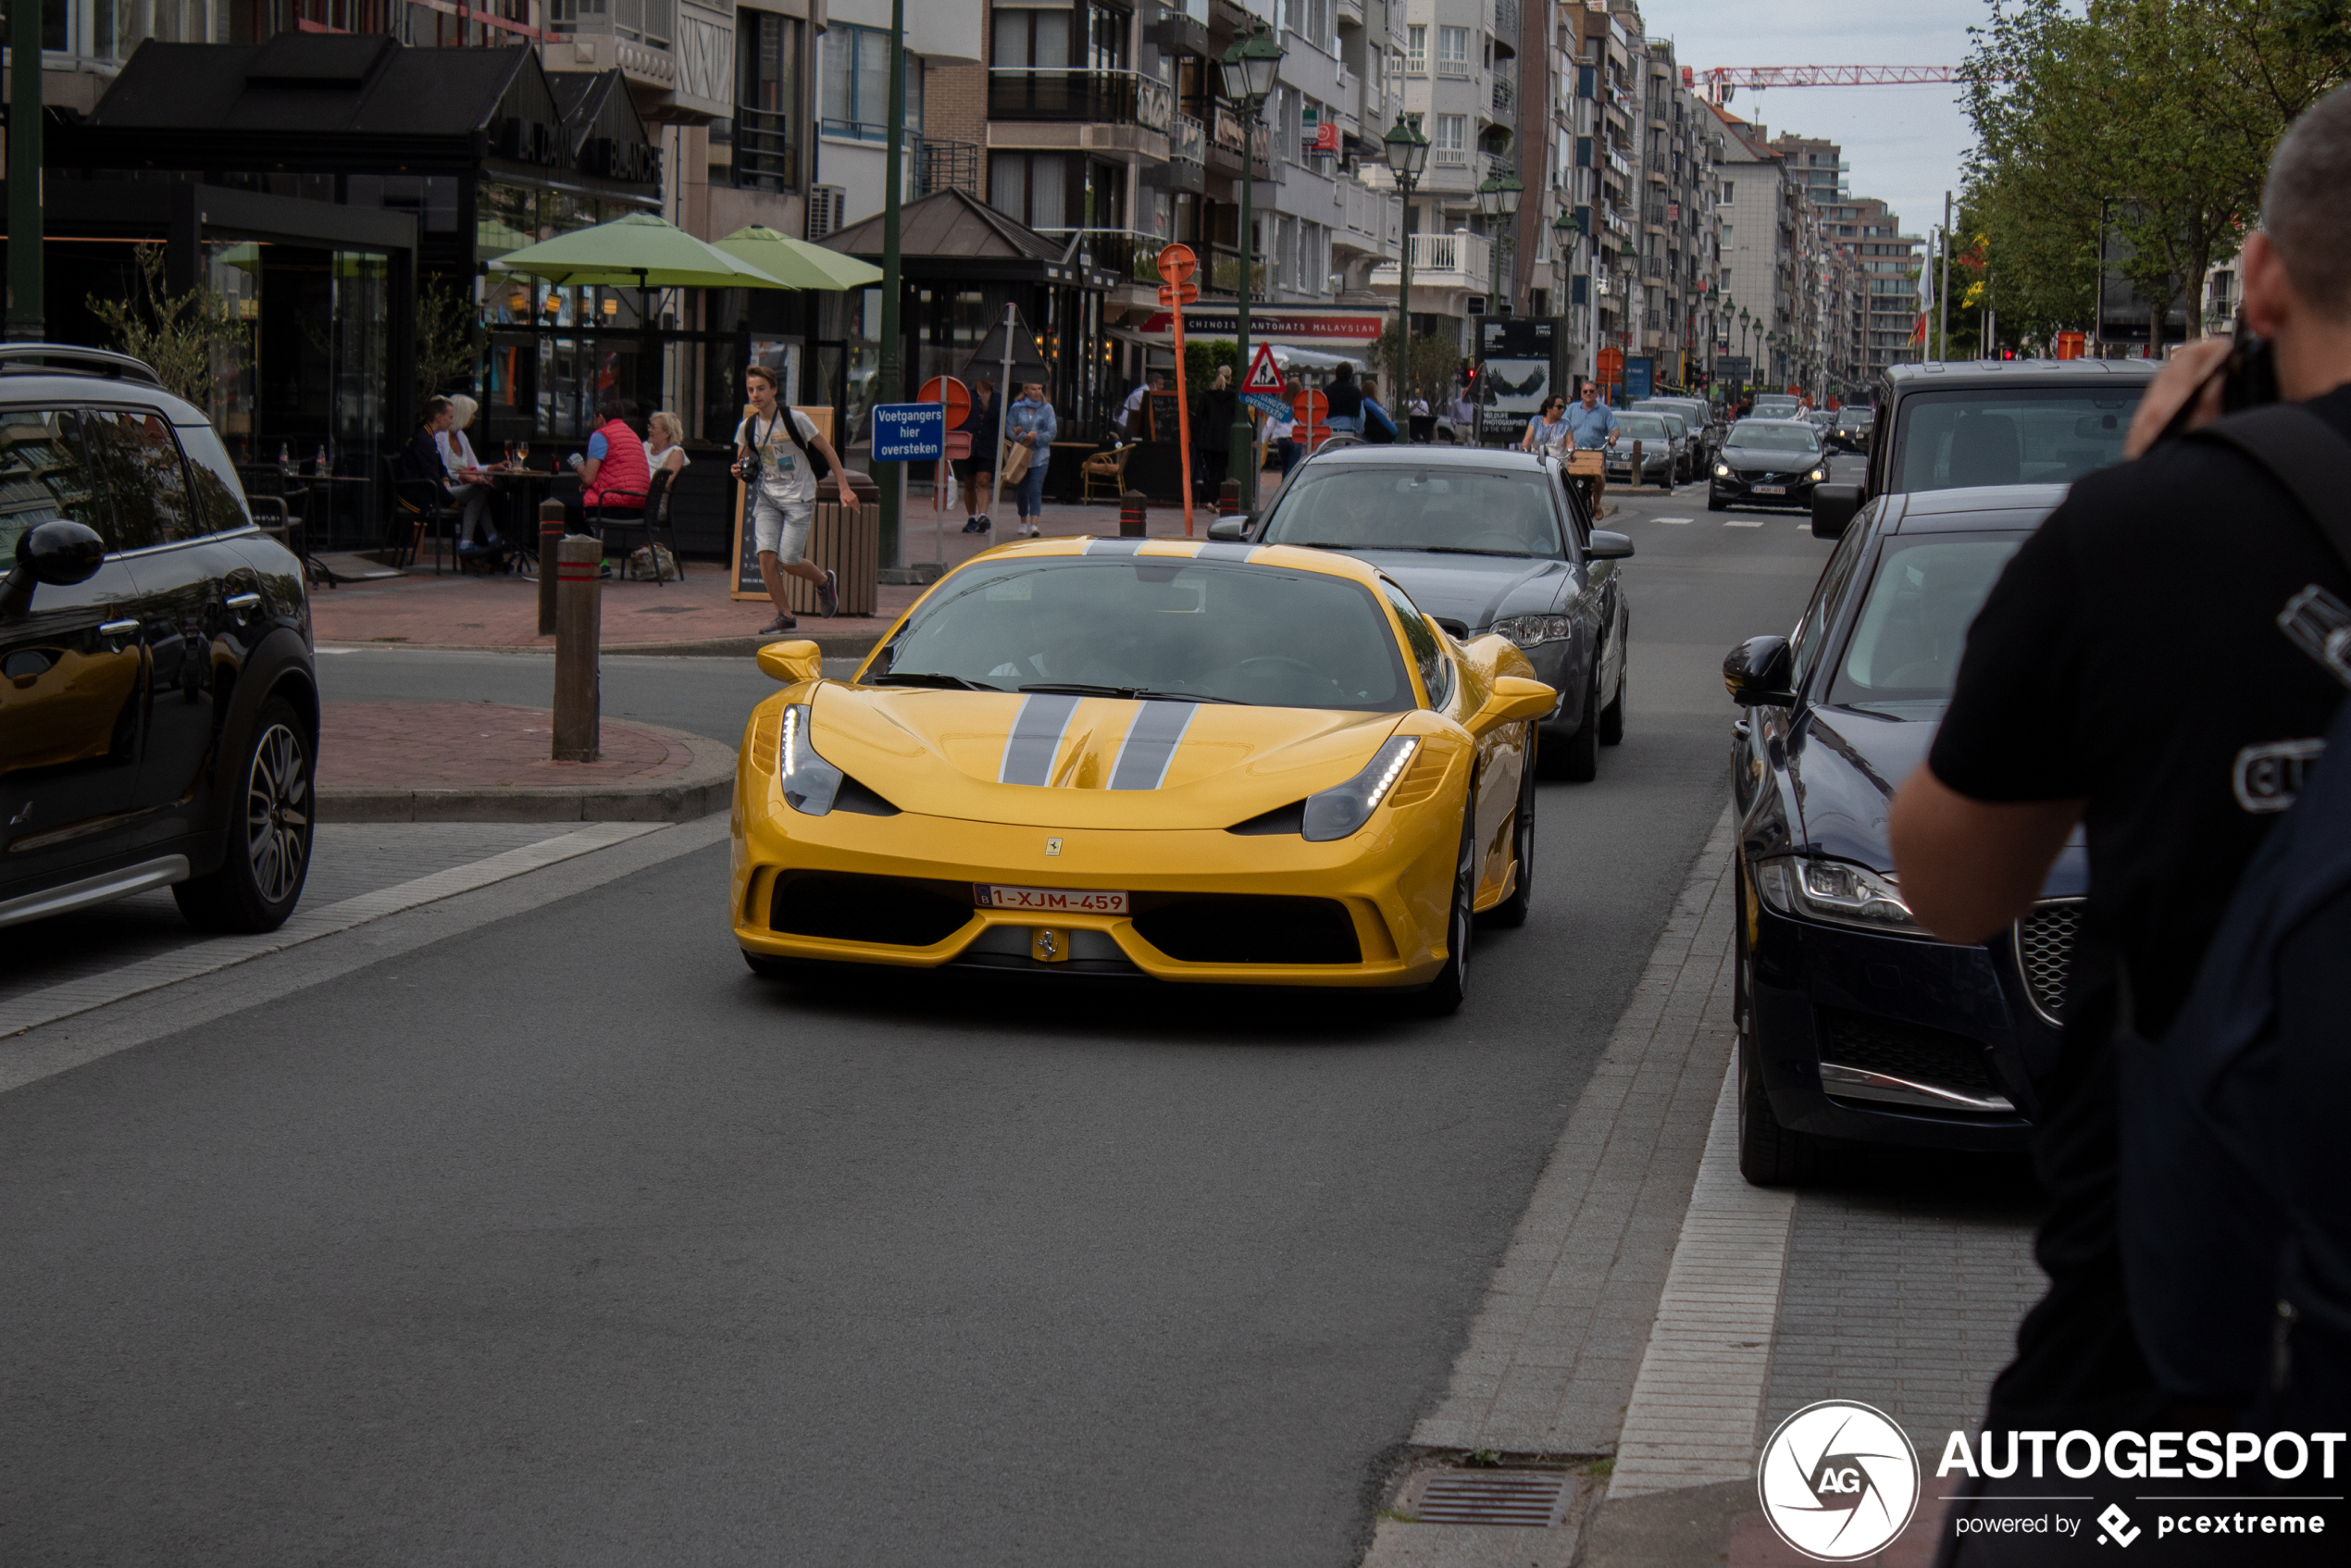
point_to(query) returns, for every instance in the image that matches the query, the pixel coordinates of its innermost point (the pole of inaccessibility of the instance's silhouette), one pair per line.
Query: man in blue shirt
(1591, 425)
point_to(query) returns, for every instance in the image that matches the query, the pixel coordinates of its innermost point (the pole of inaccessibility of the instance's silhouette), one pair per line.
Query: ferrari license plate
(1049, 901)
(1769, 489)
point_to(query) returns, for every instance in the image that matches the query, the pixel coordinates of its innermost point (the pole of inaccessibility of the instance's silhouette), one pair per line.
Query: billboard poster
(1517, 354)
(1640, 379)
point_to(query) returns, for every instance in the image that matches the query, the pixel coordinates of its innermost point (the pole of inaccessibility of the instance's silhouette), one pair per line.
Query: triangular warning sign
(1264, 375)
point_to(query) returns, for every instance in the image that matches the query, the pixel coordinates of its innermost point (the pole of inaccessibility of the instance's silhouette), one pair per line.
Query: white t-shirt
(1279, 427)
(654, 460)
(784, 476)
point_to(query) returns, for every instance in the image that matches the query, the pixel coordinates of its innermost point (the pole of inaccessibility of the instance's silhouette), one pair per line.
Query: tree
(1431, 371)
(2151, 120)
(448, 338)
(191, 340)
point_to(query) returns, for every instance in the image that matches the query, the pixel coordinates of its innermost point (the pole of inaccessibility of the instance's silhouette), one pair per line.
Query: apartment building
(1768, 275)
(1876, 290)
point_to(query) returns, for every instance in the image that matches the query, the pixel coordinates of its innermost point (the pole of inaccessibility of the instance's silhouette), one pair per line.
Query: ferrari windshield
(1773, 438)
(1905, 647)
(1450, 507)
(1161, 627)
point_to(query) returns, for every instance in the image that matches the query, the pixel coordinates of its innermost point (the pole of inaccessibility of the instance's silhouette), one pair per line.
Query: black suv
(1962, 424)
(159, 704)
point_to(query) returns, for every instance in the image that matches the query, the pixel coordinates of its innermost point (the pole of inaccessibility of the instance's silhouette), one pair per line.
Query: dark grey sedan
(1484, 542)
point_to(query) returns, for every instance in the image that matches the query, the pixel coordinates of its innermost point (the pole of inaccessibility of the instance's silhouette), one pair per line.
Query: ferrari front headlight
(1335, 813)
(1837, 892)
(1529, 630)
(808, 781)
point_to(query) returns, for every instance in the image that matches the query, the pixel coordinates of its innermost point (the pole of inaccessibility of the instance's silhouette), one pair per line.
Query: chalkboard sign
(1163, 416)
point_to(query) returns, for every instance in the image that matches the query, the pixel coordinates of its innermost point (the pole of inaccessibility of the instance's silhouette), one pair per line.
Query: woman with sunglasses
(1547, 432)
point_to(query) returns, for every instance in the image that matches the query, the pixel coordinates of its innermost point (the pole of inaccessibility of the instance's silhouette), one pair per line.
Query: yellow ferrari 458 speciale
(1218, 762)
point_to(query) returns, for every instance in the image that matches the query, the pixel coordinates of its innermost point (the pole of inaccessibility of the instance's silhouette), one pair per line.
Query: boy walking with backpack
(777, 454)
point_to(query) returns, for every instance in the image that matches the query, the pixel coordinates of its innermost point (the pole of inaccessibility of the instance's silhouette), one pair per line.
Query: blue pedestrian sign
(909, 433)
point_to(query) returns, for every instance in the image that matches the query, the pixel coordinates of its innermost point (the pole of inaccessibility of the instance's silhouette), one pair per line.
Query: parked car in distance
(1663, 450)
(1484, 542)
(159, 710)
(1854, 1023)
(1705, 430)
(1957, 426)
(1767, 462)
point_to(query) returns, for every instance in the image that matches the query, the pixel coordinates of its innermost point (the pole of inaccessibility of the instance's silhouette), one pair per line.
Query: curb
(854, 645)
(704, 786)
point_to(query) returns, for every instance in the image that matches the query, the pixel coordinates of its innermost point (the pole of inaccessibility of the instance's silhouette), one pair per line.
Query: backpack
(818, 467)
(2221, 1207)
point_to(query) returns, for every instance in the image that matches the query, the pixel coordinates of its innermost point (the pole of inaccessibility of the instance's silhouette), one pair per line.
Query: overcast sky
(1904, 143)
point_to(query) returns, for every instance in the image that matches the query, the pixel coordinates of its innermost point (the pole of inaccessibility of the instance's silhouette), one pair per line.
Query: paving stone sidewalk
(486, 761)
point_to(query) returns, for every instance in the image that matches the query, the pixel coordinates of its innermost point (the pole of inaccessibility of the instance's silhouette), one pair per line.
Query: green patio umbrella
(797, 263)
(635, 252)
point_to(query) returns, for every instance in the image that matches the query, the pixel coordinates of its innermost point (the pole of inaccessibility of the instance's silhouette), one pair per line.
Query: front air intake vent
(848, 907)
(2045, 954)
(1249, 928)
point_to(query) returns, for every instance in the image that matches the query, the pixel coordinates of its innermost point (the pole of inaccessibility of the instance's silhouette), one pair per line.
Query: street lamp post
(1497, 198)
(1407, 151)
(1565, 231)
(1249, 69)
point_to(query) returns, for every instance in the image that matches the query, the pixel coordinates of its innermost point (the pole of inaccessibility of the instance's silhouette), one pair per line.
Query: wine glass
(522, 453)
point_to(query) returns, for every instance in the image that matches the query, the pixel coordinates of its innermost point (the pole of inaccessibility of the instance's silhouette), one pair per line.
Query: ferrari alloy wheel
(269, 828)
(1512, 911)
(1446, 993)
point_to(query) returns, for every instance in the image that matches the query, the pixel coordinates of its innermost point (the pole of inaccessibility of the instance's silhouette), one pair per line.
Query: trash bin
(852, 547)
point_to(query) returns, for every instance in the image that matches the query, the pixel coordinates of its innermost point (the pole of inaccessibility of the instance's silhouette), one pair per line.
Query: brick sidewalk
(425, 611)
(475, 745)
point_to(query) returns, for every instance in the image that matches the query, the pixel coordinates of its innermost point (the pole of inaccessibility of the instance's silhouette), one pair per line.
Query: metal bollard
(551, 532)
(1132, 515)
(1228, 499)
(578, 622)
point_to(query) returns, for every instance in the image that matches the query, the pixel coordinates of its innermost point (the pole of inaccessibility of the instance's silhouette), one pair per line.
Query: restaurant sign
(1213, 322)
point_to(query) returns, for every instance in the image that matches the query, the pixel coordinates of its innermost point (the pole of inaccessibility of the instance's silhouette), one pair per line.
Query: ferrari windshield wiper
(1473, 549)
(1131, 693)
(927, 678)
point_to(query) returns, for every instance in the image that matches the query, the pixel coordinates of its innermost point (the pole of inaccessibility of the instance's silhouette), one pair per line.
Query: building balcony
(1225, 273)
(1458, 260)
(1506, 20)
(1226, 135)
(948, 166)
(1129, 253)
(765, 156)
(1111, 97)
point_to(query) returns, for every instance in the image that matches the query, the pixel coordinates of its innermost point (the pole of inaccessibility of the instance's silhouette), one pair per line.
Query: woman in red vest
(614, 475)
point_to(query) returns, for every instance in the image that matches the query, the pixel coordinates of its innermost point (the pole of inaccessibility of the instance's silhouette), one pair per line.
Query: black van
(1963, 425)
(158, 702)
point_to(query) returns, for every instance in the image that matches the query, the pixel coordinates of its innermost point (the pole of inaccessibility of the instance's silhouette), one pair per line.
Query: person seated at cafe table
(614, 475)
(470, 490)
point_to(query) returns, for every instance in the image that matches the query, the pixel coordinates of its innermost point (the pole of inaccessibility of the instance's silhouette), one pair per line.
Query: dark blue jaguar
(1854, 1023)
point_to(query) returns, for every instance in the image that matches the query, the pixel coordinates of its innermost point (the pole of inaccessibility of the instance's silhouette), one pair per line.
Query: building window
(766, 129)
(1726, 189)
(857, 83)
(1449, 147)
(1031, 39)
(1452, 51)
(1416, 48)
(1031, 188)
(1105, 37)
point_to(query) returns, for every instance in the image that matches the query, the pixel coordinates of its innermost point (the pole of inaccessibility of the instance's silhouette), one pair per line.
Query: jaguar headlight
(808, 781)
(1837, 892)
(1529, 630)
(1335, 813)
(1722, 470)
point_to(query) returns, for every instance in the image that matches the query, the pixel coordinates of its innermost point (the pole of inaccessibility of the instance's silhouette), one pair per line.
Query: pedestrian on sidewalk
(776, 451)
(1212, 430)
(978, 470)
(1344, 398)
(1029, 424)
(1379, 425)
(1136, 415)
(2053, 726)
(1281, 431)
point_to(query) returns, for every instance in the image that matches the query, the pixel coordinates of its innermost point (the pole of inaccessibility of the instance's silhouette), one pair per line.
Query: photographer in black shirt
(2128, 675)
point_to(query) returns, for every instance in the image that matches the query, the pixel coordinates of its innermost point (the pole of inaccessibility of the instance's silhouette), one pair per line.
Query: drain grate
(1493, 1497)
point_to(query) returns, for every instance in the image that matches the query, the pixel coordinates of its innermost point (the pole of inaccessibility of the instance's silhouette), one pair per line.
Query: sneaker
(828, 594)
(781, 623)
(984, 524)
(970, 525)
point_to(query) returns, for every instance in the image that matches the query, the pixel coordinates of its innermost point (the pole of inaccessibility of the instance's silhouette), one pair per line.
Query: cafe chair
(654, 521)
(418, 510)
(1107, 470)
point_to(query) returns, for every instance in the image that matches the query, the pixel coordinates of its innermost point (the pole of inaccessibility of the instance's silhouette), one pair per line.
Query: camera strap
(2304, 453)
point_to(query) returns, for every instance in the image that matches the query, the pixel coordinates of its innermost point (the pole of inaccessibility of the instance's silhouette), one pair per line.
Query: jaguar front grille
(2045, 954)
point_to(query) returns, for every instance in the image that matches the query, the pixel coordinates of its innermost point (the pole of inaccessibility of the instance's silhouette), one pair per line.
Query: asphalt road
(566, 1241)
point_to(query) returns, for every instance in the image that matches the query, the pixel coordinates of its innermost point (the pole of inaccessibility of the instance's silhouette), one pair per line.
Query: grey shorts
(780, 530)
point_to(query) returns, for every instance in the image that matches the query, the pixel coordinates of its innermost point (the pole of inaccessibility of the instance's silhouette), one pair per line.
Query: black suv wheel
(270, 830)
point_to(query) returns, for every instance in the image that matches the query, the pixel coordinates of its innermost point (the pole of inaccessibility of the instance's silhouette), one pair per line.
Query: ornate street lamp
(1497, 198)
(1250, 70)
(1407, 152)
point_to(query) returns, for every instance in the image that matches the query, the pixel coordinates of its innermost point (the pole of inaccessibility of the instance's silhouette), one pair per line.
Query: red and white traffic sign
(1264, 375)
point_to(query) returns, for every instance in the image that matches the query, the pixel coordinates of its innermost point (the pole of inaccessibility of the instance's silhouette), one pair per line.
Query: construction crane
(1719, 82)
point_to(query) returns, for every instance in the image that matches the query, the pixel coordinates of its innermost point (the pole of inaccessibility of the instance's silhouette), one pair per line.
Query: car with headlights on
(1650, 449)
(1854, 1023)
(1489, 544)
(1767, 462)
(1851, 430)
(1186, 761)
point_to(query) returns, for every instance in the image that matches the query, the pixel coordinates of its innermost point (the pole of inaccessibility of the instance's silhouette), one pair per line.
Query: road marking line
(205, 957)
(1669, 519)
(1697, 1404)
(1742, 522)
